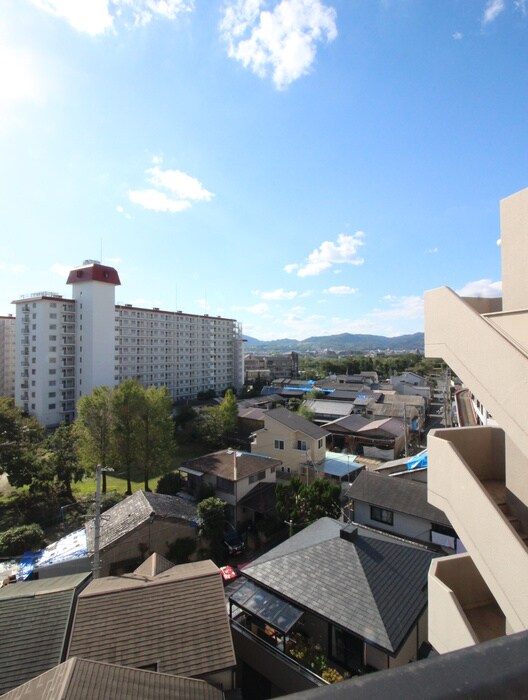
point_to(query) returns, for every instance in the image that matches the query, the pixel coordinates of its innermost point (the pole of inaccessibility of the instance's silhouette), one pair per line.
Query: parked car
(233, 542)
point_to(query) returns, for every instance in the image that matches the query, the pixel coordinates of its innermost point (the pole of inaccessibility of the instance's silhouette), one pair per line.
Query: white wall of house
(403, 524)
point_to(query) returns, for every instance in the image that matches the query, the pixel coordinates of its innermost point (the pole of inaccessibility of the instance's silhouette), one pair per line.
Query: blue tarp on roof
(418, 462)
(340, 465)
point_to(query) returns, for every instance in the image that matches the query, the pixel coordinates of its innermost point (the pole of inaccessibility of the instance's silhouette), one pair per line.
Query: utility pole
(97, 522)
(405, 428)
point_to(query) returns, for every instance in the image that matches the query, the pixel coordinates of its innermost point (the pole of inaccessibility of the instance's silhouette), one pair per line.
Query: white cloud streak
(183, 191)
(481, 288)
(340, 290)
(329, 253)
(280, 41)
(492, 10)
(277, 295)
(95, 17)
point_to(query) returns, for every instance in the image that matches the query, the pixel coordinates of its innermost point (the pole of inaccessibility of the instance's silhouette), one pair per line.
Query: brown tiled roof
(223, 464)
(176, 619)
(81, 679)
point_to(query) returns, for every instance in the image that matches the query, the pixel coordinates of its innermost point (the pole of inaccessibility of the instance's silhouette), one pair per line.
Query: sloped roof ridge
(133, 581)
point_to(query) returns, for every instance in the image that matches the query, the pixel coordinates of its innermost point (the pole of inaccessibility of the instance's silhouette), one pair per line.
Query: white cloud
(257, 309)
(280, 41)
(95, 17)
(457, 36)
(342, 289)
(183, 191)
(432, 251)
(276, 295)
(88, 16)
(183, 186)
(521, 6)
(492, 10)
(157, 201)
(12, 267)
(62, 270)
(405, 307)
(342, 251)
(481, 288)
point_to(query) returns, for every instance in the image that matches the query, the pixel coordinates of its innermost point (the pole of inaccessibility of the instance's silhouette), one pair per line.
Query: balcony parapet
(462, 609)
(467, 467)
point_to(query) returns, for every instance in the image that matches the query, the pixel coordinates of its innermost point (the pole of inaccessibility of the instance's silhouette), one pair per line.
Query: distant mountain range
(343, 342)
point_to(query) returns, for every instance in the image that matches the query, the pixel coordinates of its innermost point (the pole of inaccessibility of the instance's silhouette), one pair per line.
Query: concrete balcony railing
(466, 480)
(462, 609)
(470, 335)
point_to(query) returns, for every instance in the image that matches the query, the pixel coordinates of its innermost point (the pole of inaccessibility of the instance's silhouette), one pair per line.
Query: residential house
(234, 475)
(399, 506)
(164, 618)
(477, 475)
(324, 410)
(408, 378)
(296, 441)
(377, 439)
(82, 679)
(140, 525)
(35, 618)
(360, 596)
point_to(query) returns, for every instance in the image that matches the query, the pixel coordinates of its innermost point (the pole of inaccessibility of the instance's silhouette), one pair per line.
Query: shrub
(180, 550)
(169, 484)
(18, 540)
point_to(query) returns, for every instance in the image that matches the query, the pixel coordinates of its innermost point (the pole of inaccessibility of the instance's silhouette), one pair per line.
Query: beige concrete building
(7, 355)
(478, 475)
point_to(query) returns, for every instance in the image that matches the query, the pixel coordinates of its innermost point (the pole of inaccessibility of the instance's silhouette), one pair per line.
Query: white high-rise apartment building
(479, 475)
(7, 355)
(66, 347)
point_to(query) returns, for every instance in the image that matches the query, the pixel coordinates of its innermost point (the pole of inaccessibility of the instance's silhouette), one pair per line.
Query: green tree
(228, 410)
(127, 405)
(212, 513)
(18, 540)
(21, 445)
(301, 504)
(157, 431)
(94, 428)
(62, 456)
(305, 412)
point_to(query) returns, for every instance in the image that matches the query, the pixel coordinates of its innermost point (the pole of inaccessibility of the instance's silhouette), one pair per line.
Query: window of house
(51, 406)
(381, 515)
(225, 485)
(320, 443)
(257, 477)
(279, 444)
(301, 445)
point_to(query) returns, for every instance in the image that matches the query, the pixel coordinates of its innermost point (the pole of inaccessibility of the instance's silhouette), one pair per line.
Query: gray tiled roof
(81, 679)
(128, 514)
(375, 588)
(177, 619)
(348, 424)
(34, 619)
(401, 495)
(295, 422)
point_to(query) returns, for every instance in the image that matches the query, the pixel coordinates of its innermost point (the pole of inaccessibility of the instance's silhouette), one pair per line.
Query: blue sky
(306, 166)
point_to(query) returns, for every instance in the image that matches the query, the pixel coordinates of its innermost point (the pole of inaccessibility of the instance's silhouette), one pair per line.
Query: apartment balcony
(462, 609)
(487, 348)
(467, 481)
